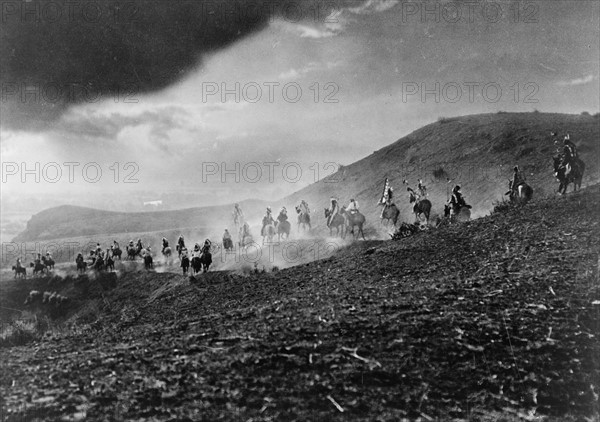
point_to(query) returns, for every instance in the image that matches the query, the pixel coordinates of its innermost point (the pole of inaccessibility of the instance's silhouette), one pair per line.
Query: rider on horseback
(333, 210)
(115, 244)
(165, 243)
(352, 207)
(282, 215)
(227, 242)
(304, 207)
(139, 244)
(196, 252)
(457, 199)
(422, 189)
(19, 263)
(569, 154)
(238, 215)
(517, 180)
(267, 220)
(206, 246)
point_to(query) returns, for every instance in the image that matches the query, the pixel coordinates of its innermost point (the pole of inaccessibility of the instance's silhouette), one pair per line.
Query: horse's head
(298, 209)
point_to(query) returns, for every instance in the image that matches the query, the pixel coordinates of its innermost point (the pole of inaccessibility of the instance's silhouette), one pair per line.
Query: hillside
(494, 319)
(477, 152)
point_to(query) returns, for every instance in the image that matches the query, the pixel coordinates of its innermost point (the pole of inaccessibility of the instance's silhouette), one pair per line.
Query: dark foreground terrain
(495, 319)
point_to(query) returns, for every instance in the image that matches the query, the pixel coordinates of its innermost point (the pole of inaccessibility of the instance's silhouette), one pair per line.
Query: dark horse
(134, 251)
(352, 220)
(390, 213)
(19, 271)
(421, 207)
(117, 252)
(38, 267)
(337, 222)
(303, 219)
(455, 212)
(48, 262)
(575, 175)
(201, 263)
(81, 264)
(522, 195)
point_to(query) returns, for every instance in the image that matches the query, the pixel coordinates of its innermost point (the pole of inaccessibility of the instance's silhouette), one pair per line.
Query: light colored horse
(303, 219)
(268, 233)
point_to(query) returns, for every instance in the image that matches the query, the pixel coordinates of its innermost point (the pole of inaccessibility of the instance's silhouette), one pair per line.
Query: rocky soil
(494, 319)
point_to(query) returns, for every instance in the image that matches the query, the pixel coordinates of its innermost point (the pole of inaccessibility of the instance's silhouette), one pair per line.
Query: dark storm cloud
(56, 53)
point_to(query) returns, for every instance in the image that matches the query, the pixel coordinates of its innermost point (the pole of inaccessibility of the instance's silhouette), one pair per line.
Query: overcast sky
(361, 68)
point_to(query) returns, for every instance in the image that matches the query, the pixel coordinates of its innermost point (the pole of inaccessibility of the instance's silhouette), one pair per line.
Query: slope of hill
(494, 319)
(476, 152)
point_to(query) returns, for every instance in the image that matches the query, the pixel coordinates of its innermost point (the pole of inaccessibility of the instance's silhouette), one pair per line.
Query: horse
(421, 207)
(575, 175)
(148, 264)
(245, 236)
(167, 252)
(522, 195)
(303, 219)
(110, 262)
(185, 264)
(390, 213)
(338, 222)
(455, 212)
(81, 264)
(354, 219)
(134, 251)
(205, 260)
(98, 264)
(283, 228)
(38, 267)
(117, 252)
(19, 271)
(48, 262)
(196, 264)
(228, 244)
(268, 232)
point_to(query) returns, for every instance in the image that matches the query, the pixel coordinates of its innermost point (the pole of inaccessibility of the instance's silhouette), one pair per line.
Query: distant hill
(476, 152)
(69, 221)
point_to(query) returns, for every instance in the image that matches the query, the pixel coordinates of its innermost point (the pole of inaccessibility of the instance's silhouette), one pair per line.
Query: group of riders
(567, 164)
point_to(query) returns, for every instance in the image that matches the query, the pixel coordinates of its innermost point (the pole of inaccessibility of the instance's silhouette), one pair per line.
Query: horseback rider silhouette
(18, 265)
(352, 207)
(197, 251)
(282, 215)
(206, 246)
(227, 242)
(422, 189)
(517, 179)
(267, 220)
(165, 243)
(304, 207)
(569, 154)
(333, 210)
(238, 215)
(457, 199)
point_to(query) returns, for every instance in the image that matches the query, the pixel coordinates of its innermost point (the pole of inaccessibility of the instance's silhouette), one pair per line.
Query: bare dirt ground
(495, 319)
